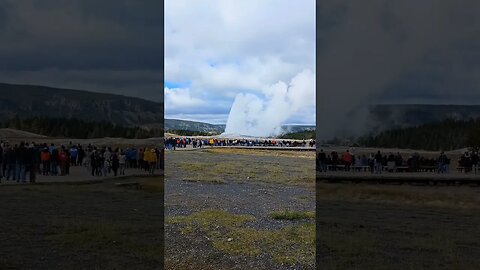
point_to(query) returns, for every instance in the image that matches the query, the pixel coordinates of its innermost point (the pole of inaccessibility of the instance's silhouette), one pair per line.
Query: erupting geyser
(251, 115)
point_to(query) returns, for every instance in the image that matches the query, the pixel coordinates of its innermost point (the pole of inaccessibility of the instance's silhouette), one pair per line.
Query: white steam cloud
(251, 115)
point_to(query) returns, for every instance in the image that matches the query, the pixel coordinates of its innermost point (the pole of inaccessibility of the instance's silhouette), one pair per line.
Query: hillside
(444, 135)
(176, 124)
(14, 133)
(26, 101)
(194, 126)
(383, 117)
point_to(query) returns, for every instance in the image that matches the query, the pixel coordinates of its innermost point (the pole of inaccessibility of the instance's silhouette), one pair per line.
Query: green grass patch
(292, 215)
(228, 170)
(293, 245)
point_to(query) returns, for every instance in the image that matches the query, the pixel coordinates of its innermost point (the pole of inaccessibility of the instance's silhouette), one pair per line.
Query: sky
(393, 52)
(216, 50)
(113, 46)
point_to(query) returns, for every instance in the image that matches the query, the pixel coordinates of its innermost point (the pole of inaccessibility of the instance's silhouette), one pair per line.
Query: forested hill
(445, 135)
(394, 116)
(78, 129)
(27, 101)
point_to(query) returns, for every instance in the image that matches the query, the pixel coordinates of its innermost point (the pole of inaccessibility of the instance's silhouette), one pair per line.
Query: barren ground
(96, 225)
(240, 209)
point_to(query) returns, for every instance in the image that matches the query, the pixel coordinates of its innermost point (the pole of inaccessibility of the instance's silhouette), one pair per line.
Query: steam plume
(251, 115)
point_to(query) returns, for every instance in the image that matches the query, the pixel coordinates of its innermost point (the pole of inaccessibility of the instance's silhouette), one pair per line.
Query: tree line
(445, 135)
(300, 135)
(78, 129)
(182, 132)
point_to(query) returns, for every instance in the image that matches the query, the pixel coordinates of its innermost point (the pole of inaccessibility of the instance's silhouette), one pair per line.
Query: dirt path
(79, 174)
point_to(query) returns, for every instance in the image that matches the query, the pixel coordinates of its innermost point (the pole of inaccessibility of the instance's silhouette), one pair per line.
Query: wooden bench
(401, 169)
(360, 168)
(428, 168)
(338, 167)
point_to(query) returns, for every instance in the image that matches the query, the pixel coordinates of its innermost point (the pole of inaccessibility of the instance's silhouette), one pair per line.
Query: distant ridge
(177, 124)
(14, 133)
(390, 116)
(26, 101)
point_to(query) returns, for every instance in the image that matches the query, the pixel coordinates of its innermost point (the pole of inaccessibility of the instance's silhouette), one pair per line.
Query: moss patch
(220, 172)
(293, 245)
(293, 215)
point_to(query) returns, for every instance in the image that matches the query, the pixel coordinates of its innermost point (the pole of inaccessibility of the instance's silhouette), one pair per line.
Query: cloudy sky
(408, 51)
(106, 46)
(217, 49)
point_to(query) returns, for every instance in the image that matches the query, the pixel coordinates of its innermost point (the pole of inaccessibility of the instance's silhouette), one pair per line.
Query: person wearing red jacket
(347, 160)
(63, 159)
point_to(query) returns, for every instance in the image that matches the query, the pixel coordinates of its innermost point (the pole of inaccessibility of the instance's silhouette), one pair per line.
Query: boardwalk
(453, 178)
(81, 174)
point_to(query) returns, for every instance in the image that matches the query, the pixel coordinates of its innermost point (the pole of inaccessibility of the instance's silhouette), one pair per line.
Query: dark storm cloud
(394, 51)
(111, 46)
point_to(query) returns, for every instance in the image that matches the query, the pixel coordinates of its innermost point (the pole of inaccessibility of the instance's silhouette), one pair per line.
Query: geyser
(252, 115)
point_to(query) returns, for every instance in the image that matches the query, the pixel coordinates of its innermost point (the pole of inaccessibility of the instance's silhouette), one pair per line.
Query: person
(11, 162)
(31, 161)
(67, 162)
(115, 164)
(122, 162)
(54, 162)
(442, 163)
(347, 160)
(21, 169)
(371, 162)
(81, 155)
(93, 161)
(391, 162)
(322, 158)
(378, 162)
(45, 159)
(62, 158)
(334, 156)
(147, 158)
(106, 166)
(475, 160)
(73, 155)
(152, 161)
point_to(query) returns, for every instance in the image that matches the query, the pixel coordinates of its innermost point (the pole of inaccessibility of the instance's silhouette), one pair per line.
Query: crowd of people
(22, 159)
(182, 142)
(379, 162)
(470, 161)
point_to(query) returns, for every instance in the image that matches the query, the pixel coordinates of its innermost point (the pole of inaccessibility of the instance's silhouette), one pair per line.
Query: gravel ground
(239, 197)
